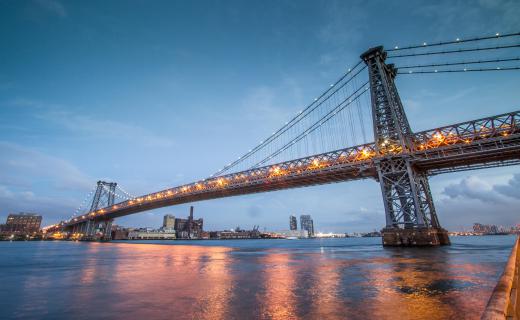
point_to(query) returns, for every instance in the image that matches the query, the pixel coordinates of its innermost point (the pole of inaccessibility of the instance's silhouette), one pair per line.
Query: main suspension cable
(301, 115)
(453, 51)
(456, 63)
(353, 97)
(425, 45)
(463, 70)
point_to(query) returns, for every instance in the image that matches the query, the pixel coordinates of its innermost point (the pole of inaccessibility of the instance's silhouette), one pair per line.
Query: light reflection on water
(264, 279)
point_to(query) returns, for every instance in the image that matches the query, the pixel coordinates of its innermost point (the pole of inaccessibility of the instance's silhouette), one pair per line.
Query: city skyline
(143, 119)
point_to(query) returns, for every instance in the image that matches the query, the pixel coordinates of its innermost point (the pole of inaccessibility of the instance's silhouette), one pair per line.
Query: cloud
(22, 167)
(90, 126)
(273, 105)
(474, 199)
(475, 188)
(106, 129)
(511, 189)
(29, 178)
(54, 7)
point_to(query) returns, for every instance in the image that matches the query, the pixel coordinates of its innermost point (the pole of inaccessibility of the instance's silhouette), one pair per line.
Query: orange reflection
(405, 290)
(327, 302)
(173, 279)
(279, 299)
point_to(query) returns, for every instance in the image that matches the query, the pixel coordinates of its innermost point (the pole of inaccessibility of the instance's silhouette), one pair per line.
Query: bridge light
(458, 39)
(497, 34)
(438, 137)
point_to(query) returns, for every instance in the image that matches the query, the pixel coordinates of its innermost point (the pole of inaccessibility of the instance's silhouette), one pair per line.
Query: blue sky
(153, 94)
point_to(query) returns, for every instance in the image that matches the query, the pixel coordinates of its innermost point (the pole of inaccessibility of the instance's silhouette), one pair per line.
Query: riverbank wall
(505, 299)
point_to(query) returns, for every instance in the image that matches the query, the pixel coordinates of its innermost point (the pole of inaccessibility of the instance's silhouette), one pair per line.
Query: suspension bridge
(356, 129)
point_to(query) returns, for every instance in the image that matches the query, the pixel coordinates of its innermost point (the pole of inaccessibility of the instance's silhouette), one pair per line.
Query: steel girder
(106, 191)
(406, 196)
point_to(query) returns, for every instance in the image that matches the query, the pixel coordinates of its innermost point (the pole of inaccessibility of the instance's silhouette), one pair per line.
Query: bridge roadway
(486, 142)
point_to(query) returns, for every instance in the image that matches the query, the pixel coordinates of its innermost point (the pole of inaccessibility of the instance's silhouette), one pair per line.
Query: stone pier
(415, 237)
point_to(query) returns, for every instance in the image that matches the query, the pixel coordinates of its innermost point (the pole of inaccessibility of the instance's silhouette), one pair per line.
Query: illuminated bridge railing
(469, 132)
(352, 157)
(436, 149)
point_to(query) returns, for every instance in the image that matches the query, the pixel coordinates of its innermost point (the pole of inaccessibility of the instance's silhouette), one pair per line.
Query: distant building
(291, 234)
(119, 233)
(293, 224)
(146, 234)
(307, 224)
(485, 229)
(168, 221)
(189, 228)
(23, 223)
(238, 234)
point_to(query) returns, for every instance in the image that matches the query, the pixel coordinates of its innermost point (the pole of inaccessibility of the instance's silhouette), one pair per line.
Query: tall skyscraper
(306, 223)
(168, 221)
(293, 224)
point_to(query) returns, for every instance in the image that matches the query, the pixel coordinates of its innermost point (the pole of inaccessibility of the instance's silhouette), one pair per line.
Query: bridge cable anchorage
(456, 63)
(461, 70)
(453, 51)
(457, 41)
(333, 89)
(317, 124)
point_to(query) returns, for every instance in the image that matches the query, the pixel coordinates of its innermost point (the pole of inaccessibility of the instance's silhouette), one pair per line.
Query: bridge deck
(492, 141)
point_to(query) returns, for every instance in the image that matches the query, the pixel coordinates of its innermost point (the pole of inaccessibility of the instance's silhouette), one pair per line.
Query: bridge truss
(400, 160)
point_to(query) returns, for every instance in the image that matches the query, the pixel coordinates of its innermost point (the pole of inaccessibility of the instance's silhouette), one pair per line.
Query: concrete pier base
(416, 237)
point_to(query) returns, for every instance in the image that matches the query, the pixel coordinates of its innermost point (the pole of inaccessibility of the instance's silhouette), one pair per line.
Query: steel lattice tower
(410, 213)
(105, 191)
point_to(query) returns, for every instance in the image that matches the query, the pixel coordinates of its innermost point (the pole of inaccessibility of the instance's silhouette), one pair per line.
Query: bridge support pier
(411, 219)
(417, 237)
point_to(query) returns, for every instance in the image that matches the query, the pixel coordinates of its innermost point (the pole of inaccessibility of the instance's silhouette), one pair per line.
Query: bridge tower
(411, 219)
(96, 229)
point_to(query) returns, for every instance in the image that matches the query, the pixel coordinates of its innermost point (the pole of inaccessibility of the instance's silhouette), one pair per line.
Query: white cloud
(22, 167)
(54, 7)
(87, 125)
(475, 188)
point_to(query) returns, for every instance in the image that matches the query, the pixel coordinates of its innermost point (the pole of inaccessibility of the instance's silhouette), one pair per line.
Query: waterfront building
(307, 224)
(293, 224)
(189, 228)
(239, 234)
(168, 221)
(23, 223)
(291, 234)
(146, 234)
(485, 229)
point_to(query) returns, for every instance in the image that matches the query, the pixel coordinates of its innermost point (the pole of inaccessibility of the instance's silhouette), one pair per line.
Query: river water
(353, 278)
